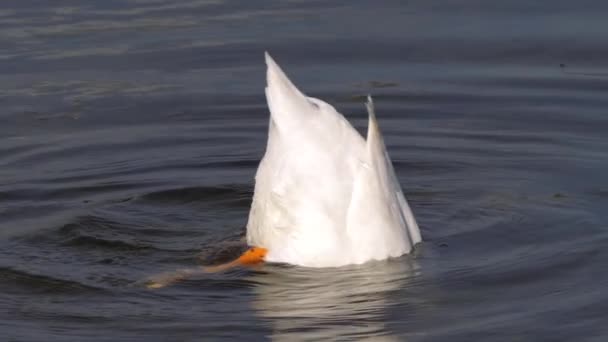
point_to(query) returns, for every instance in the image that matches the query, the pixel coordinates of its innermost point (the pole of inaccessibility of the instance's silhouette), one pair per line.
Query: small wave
(11, 195)
(86, 241)
(12, 280)
(124, 230)
(237, 195)
(98, 232)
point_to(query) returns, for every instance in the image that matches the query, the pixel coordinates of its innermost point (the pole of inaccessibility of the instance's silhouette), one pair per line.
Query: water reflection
(329, 304)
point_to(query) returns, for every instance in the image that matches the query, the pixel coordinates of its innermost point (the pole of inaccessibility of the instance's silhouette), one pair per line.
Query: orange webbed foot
(253, 256)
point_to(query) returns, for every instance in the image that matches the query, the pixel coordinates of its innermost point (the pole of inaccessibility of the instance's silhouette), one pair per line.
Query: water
(130, 132)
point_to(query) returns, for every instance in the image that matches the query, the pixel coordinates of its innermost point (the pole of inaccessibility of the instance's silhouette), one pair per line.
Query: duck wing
(380, 222)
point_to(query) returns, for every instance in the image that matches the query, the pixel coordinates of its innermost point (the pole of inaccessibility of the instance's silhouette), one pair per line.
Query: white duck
(324, 196)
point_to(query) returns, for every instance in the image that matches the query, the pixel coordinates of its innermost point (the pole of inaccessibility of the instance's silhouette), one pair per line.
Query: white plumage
(325, 196)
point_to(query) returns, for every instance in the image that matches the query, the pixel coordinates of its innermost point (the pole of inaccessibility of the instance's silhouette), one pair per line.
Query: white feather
(323, 195)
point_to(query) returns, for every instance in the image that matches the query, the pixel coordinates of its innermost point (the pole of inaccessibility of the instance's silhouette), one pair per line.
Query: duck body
(325, 196)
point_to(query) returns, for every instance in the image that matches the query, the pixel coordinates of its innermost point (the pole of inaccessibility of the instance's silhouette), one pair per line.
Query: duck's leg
(166, 279)
(253, 256)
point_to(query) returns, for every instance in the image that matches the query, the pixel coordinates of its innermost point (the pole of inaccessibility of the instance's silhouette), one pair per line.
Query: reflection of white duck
(338, 304)
(324, 196)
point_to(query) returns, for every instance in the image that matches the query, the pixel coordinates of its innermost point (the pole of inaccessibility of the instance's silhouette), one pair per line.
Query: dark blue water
(130, 132)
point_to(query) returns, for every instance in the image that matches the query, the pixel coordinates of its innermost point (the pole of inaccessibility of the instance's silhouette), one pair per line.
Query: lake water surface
(130, 132)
